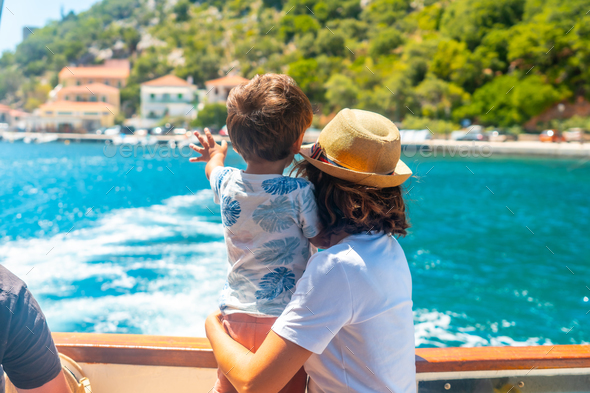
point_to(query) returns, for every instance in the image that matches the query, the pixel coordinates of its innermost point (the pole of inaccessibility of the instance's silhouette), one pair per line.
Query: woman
(350, 318)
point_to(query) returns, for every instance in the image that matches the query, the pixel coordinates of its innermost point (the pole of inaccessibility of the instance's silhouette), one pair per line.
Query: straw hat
(361, 147)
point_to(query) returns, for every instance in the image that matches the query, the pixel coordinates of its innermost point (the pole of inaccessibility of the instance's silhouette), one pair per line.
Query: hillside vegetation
(498, 62)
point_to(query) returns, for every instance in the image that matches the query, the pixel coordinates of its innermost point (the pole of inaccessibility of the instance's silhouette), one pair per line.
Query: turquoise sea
(123, 242)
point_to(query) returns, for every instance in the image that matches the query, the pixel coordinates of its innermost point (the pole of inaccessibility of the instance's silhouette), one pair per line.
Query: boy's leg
(299, 381)
(251, 332)
(241, 328)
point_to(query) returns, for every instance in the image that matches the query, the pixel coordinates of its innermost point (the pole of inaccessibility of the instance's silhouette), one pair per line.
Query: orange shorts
(251, 332)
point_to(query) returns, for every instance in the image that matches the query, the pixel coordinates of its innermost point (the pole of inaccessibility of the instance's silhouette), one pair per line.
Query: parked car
(223, 131)
(414, 136)
(179, 131)
(474, 136)
(115, 130)
(573, 135)
(550, 136)
(156, 131)
(128, 129)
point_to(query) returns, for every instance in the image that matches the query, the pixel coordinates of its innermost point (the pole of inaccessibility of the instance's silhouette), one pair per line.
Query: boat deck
(140, 363)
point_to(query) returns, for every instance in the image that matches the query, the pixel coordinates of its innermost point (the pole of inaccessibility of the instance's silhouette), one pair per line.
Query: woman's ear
(297, 145)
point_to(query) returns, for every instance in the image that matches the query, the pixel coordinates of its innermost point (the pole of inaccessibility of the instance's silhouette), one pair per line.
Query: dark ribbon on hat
(317, 153)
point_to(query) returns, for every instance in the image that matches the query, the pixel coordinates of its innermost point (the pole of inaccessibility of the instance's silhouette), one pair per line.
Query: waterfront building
(112, 73)
(218, 89)
(85, 99)
(75, 116)
(167, 96)
(13, 118)
(95, 92)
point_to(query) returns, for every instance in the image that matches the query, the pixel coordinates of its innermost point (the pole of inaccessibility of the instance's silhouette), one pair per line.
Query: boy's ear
(297, 145)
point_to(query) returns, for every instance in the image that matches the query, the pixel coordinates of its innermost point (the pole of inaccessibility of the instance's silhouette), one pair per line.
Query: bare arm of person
(211, 153)
(56, 385)
(268, 370)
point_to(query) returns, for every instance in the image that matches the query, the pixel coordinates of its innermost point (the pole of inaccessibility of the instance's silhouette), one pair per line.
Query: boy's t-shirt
(268, 221)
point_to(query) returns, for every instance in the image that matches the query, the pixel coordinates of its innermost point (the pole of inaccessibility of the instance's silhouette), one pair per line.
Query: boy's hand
(211, 153)
(209, 149)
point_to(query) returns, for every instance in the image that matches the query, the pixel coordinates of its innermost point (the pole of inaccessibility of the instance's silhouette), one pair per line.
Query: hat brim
(401, 173)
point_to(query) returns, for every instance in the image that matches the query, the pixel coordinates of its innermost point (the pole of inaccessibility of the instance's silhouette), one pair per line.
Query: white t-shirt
(267, 221)
(353, 309)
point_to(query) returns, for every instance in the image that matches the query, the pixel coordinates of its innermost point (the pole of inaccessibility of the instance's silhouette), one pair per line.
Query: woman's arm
(268, 370)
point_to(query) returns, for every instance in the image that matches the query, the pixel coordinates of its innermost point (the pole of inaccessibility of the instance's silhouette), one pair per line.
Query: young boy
(268, 218)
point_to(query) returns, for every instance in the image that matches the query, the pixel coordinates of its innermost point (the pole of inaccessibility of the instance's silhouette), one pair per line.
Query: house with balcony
(168, 96)
(75, 116)
(218, 89)
(95, 92)
(86, 98)
(112, 73)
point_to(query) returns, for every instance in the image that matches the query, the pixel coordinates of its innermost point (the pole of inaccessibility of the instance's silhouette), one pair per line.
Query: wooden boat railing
(196, 352)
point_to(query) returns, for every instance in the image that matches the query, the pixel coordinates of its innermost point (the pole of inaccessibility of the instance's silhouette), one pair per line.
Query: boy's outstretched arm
(211, 153)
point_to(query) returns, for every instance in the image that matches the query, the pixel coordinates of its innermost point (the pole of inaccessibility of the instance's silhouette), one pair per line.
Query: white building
(168, 96)
(218, 89)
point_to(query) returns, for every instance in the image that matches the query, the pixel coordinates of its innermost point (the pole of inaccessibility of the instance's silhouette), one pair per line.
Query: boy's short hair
(353, 208)
(266, 116)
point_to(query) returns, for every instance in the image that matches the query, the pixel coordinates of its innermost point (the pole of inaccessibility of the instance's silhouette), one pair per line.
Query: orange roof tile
(91, 88)
(76, 106)
(18, 113)
(94, 72)
(5, 108)
(232, 80)
(167, 81)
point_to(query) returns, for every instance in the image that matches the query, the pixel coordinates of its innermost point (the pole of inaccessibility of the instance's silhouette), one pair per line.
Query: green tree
(212, 115)
(181, 10)
(384, 42)
(386, 11)
(470, 20)
(438, 98)
(305, 73)
(412, 122)
(331, 43)
(508, 100)
(341, 92)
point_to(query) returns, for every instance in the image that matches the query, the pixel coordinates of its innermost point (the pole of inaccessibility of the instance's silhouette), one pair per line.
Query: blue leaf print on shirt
(308, 201)
(220, 177)
(240, 282)
(276, 216)
(283, 185)
(276, 282)
(277, 252)
(230, 211)
(245, 186)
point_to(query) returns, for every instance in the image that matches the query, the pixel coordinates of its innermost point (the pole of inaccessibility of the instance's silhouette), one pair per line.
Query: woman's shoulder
(363, 253)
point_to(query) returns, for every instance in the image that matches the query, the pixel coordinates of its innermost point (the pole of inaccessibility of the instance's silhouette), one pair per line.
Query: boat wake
(158, 270)
(154, 270)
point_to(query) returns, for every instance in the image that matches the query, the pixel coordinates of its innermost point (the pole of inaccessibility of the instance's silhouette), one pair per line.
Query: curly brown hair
(354, 208)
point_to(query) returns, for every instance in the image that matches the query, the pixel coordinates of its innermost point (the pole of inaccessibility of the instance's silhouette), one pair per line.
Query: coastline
(433, 147)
